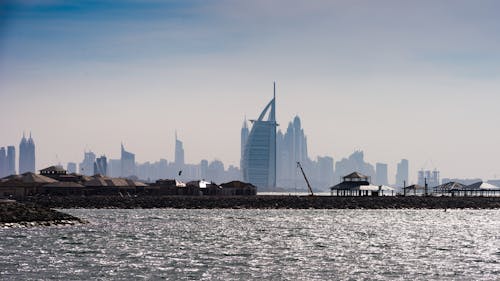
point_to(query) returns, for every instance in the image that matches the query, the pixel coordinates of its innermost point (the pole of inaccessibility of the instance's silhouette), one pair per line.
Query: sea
(236, 244)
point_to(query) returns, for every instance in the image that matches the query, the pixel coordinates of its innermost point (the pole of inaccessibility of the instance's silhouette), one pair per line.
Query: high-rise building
(114, 168)
(381, 174)
(204, 169)
(259, 158)
(429, 177)
(87, 165)
(244, 138)
(402, 173)
(127, 163)
(292, 148)
(3, 162)
(325, 167)
(354, 163)
(27, 155)
(71, 168)
(101, 166)
(179, 153)
(11, 160)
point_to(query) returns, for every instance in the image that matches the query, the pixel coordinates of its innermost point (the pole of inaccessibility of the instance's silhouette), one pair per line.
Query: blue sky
(397, 79)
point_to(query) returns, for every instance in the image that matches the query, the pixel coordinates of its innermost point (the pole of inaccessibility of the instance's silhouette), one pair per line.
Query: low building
(414, 189)
(357, 184)
(238, 188)
(480, 188)
(27, 184)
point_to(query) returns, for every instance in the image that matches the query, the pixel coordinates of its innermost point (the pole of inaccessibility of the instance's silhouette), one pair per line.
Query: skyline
(359, 74)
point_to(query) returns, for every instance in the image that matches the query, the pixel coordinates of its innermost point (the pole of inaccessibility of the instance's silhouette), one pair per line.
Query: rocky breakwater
(14, 214)
(270, 202)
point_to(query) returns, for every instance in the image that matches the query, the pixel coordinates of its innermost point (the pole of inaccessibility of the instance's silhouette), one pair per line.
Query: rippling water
(259, 244)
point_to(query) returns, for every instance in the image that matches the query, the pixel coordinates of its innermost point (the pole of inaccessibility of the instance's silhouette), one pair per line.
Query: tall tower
(11, 160)
(87, 165)
(381, 174)
(244, 137)
(402, 173)
(3, 162)
(127, 163)
(259, 160)
(26, 155)
(179, 152)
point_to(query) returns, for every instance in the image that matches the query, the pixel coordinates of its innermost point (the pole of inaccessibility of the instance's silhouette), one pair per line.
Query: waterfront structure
(127, 160)
(53, 172)
(259, 157)
(381, 174)
(26, 155)
(357, 184)
(101, 166)
(87, 165)
(465, 182)
(402, 173)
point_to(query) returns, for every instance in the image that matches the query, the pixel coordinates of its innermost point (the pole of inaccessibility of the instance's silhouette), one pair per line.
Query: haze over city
(397, 79)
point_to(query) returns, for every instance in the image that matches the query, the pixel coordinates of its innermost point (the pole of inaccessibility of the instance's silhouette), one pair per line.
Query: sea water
(221, 244)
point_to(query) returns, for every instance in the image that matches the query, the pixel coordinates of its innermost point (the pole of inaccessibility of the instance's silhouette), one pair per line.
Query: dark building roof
(57, 169)
(481, 186)
(450, 186)
(64, 185)
(349, 185)
(415, 186)
(355, 175)
(27, 178)
(237, 184)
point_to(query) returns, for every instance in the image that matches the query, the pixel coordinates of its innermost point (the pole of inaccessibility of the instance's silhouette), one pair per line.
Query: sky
(397, 79)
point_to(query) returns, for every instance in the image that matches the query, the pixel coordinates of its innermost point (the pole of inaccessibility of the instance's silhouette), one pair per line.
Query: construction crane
(311, 193)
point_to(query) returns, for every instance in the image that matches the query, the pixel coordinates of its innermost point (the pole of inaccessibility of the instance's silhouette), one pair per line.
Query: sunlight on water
(259, 244)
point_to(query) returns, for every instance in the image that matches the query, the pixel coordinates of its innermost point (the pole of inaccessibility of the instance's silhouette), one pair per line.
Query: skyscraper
(259, 158)
(402, 173)
(431, 177)
(26, 155)
(127, 163)
(71, 167)
(101, 166)
(179, 153)
(381, 174)
(3, 162)
(292, 148)
(87, 165)
(11, 160)
(244, 138)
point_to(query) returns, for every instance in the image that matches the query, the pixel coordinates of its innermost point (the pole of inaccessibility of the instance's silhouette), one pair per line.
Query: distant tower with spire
(27, 155)
(244, 137)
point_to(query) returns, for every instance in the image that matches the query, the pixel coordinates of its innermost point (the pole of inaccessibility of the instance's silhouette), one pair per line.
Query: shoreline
(17, 215)
(265, 202)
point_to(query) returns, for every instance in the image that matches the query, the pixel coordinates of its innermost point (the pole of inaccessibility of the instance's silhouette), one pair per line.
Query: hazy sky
(397, 79)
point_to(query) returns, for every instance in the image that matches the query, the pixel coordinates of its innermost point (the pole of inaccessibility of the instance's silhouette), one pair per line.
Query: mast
(307, 181)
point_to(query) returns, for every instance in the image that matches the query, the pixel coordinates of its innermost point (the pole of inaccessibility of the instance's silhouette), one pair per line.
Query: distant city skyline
(397, 80)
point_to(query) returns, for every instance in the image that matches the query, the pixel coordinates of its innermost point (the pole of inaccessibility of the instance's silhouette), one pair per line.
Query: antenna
(274, 89)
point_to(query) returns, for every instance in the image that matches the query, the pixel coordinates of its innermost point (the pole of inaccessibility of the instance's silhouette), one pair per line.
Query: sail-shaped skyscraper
(259, 157)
